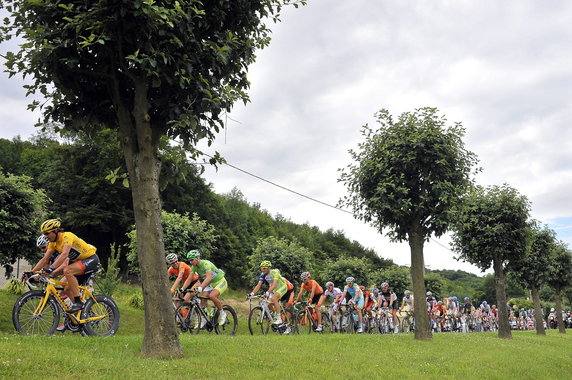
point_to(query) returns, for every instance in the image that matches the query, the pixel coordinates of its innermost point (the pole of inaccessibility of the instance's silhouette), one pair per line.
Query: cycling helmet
(484, 303)
(305, 276)
(265, 264)
(384, 285)
(552, 310)
(329, 283)
(49, 225)
(42, 241)
(193, 254)
(407, 292)
(454, 298)
(350, 279)
(428, 294)
(466, 299)
(375, 290)
(171, 258)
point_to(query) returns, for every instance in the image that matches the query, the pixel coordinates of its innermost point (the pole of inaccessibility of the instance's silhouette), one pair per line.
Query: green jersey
(205, 266)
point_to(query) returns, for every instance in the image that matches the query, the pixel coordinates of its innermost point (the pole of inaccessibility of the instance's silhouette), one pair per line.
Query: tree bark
(422, 328)
(537, 311)
(500, 288)
(139, 143)
(558, 307)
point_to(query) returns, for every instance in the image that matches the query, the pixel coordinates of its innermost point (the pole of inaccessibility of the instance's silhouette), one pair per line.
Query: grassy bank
(483, 355)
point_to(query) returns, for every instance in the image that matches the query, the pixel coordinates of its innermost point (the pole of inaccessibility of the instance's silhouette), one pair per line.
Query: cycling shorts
(89, 265)
(281, 289)
(286, 297)
(221, 285)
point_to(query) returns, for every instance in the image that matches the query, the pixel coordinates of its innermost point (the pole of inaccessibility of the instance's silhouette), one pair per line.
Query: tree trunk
(422, 328)
(500, 287)
(537, 311)
(558, 307)
(139, 143)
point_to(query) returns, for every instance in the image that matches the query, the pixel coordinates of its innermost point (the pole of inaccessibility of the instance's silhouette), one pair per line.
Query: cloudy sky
(503, 69)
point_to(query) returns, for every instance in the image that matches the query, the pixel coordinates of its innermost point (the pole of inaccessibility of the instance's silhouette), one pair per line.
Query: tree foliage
(21, 208)
(337, 272)
(398, 278)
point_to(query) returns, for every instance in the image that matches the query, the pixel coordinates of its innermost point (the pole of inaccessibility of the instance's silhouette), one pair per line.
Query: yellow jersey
(80, 250)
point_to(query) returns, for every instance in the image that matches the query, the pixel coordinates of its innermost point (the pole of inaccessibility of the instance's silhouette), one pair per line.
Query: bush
(108, 281)
(16, 286)
(136, 301)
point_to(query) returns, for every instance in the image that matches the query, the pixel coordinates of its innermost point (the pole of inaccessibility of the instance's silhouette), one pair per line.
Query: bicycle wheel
(194, 320)
(304, 322)
(230, 325)
(181, 314)
(258, 321)
(351, 323)
(27, 323)
(326, 324)
(101, 306)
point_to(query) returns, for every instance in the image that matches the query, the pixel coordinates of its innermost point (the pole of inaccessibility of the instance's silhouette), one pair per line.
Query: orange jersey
(311, 283)
(185, 269)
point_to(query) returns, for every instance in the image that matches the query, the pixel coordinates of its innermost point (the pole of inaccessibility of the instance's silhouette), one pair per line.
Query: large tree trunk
(422, 328)
(140, 143)
(558, 307)
(537, 311)
(500, 287)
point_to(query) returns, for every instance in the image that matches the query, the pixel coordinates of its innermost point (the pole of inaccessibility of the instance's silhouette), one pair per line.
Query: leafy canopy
(492, 225)
(409, 171)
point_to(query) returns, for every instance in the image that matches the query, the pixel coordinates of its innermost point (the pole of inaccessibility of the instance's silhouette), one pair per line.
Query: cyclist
(211, 282)
(371, 300)
(315, 292)
(391, 299)
(182, 271)
(407, 302)
(354, 295)
(83, 261)
(277, 288)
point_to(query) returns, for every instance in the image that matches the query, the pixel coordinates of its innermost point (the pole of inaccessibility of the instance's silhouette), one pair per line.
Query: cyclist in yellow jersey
(82, 258)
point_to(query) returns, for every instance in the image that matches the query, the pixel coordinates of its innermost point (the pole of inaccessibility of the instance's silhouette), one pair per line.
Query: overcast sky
(502, 68)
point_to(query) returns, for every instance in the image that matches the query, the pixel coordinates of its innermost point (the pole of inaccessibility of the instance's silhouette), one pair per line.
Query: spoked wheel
(258, 322)
(304, 323)
(230, 324)
(105, 307)
(326, 323)
(28, 323)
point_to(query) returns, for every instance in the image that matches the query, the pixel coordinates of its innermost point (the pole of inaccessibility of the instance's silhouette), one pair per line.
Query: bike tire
(258, 322)
(326, 324)
(102, 305)
(304, 322)
(181, 314)
(23, 314)
(231, 324)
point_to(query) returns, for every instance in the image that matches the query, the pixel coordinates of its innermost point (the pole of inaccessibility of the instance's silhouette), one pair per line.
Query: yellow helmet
(49, 225)
(265, 264)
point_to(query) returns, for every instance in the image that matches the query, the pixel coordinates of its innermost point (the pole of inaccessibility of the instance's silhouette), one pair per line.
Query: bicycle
(38, 311)
(260, 318)
(407, 322)
(350, 319)
(307, 318)
(190, 316)
(335, 316)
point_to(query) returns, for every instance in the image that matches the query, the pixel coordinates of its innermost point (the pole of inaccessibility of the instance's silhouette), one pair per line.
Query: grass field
(478, 355)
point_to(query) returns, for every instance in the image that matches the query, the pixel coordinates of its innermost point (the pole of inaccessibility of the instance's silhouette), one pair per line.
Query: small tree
(337, 272)
(182, 233)
(21, 207)
(408, 177)
(288, 256)
(530, 268)
(492, 229)
(559, 277)
(398, 278)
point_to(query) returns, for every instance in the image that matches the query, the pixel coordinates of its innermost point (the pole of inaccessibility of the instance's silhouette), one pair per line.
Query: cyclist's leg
(318, 306)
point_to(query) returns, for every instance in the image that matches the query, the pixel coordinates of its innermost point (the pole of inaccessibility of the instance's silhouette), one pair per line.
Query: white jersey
(335, 293)
(408, 302)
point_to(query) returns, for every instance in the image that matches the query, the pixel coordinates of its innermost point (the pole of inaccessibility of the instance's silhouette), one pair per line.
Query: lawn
(316, 356)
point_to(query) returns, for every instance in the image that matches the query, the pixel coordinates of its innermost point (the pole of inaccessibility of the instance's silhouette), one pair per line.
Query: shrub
(15, 286)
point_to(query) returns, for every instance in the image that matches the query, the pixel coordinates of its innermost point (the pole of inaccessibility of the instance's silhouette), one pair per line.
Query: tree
(408, 177)
(147, 69)
(337, 272)
(398, 278)
(182, 233)
(492, 229)
(289, 257)
(530, 268)
(21, 208)
(559, 277)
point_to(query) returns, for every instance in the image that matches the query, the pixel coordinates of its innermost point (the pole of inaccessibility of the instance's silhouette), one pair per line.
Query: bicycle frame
(51, 290)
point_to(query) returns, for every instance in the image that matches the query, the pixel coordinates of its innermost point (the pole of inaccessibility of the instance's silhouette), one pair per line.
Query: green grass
(478, 355)
(482, 356)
